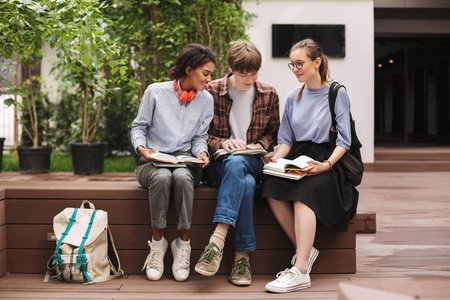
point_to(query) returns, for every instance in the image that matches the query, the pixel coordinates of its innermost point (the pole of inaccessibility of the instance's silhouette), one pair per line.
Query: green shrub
(62, 162)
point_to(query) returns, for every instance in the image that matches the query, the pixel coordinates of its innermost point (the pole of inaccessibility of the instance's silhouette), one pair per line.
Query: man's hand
(203, 156)
(230, 145)
(146, 153)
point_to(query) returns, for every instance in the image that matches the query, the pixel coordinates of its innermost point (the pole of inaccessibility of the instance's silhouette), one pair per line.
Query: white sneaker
(289, 280)
(181, 260)
(154, 264)
(312, 258)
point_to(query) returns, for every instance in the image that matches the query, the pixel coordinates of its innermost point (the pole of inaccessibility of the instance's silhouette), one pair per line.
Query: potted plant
(86, 54)
(23, 30)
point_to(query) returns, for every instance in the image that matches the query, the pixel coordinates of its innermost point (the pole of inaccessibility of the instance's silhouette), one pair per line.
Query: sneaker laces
(185, 257)
(153, 258)
(242, 265)
(209, 254)
(285, 276)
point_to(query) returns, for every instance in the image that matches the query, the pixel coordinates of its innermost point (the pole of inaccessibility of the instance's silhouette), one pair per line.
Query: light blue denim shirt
(166, 124)
(309, 119)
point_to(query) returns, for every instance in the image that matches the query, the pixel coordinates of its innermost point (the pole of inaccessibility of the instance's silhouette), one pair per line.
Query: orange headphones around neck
(184, 96)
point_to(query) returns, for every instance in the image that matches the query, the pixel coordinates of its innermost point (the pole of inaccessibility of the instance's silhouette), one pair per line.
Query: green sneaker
(241, 273)
(209, 261)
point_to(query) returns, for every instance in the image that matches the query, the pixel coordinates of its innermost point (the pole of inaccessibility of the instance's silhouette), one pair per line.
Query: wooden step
(411, 166)
(411, 159)
(365, 220)
(412, 154)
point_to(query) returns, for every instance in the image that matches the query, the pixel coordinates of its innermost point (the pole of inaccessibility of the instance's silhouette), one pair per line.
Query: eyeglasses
(298, 64)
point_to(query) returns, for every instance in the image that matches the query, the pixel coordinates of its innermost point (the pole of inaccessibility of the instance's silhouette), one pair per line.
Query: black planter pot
(87, 158)
(2, 140)
(34, 161)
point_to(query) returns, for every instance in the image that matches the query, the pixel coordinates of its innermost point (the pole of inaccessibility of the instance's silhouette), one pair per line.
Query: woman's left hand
(203, 156)
(319, 167)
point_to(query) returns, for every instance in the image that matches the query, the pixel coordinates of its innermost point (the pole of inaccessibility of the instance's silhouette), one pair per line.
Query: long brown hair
(313, 51)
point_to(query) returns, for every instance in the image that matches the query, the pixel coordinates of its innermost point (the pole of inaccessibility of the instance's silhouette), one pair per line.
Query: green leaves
(8, 102)
(86, 58)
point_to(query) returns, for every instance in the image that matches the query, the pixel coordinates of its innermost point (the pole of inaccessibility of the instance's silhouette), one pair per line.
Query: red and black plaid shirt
(265, 122)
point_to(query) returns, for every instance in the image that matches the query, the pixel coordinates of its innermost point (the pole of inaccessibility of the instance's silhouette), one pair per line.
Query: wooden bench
(3, 262)
(30, 207)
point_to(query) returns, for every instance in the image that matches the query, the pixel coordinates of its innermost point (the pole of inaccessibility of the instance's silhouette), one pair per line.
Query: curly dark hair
(193, 55)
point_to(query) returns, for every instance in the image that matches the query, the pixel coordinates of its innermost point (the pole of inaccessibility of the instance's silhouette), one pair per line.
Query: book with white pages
(222, 153)
(284, 175)
(284, 165)
(175, 160)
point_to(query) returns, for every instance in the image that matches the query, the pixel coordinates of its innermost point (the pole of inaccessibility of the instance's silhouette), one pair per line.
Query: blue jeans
(236, 177)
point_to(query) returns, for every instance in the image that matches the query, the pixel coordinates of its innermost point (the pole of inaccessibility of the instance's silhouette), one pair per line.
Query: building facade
(396, 64)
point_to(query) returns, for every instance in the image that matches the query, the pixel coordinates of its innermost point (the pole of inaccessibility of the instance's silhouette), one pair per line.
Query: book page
(302, 161)
(283, 164)
(278, 167)
(164, 157)
(283, 175)
(246, 151)
(186, 158)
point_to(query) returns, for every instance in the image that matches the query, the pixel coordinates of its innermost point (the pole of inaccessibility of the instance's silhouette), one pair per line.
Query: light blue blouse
(309, 119)
(165, 124)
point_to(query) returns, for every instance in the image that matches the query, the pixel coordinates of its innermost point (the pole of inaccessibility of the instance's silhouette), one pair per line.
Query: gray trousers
(159, 182)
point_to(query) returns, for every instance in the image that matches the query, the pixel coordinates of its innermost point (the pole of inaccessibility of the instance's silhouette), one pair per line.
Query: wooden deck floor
(409, 254)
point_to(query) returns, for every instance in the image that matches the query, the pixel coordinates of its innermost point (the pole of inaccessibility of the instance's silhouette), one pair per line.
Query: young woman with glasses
(324, 194)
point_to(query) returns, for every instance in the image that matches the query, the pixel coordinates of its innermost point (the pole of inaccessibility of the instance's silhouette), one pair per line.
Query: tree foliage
(23, 27)
(78, 29)
(86, 53)
(153, 32)
(104, 45)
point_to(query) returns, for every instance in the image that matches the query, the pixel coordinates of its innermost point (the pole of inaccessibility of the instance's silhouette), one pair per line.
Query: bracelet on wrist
(327, 161)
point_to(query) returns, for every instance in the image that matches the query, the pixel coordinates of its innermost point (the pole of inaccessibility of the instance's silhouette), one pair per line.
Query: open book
(222, 153)
(163, 159)
(291, 169)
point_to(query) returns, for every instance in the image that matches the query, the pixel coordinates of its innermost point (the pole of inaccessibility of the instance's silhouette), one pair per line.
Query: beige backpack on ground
(85, 250)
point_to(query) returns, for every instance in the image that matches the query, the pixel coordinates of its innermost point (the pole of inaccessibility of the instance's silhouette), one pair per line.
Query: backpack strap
(332, 95)
(72, 220)
(81, 258)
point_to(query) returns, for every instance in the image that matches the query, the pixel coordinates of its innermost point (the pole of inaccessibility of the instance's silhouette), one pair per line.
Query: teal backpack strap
(81, 258)
(56, 254)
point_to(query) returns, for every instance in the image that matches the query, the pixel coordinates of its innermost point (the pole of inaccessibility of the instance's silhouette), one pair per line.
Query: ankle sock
(301, 271)
(158, 244)
(239, 255)
(218, 238)
(182, 243)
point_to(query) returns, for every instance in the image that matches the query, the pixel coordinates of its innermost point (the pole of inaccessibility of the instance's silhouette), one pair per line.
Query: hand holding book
(291, 169)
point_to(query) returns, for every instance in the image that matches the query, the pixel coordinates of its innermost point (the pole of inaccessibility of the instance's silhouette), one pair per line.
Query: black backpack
(351, 161)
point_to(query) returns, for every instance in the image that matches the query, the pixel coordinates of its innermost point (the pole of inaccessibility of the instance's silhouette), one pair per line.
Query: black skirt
(328, 194)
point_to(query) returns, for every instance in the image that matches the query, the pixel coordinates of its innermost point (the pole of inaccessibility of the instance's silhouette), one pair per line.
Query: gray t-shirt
(241, 112)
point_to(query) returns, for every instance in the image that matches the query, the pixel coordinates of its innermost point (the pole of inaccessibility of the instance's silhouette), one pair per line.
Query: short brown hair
(244, 57)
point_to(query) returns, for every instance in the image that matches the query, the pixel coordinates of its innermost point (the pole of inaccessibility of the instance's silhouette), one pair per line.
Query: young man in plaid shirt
(246, 114)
